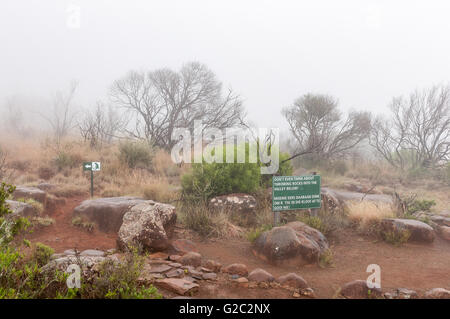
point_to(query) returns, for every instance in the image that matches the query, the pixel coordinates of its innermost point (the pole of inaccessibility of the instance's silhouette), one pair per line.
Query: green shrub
(420, 205)
(120, 281)
(6, 190)
(254, 233)
(42, 254)
(326, 259)
(207, 180)
(135, 154)
(396, 238)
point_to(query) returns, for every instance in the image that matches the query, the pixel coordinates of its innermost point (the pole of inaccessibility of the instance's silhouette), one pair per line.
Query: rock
(92, 252)
(191, 259)
(213, 265)
(209, 276)
(175, 273)
(157, 268)
(438, 293)
(260, 275)
(174, 257)
(242, 281)
(30, 193)
(358, 290)
(293, 243)
(236, 269)
(440, 220)
(183, 246)
(69, 252)
(147, 225)
(404, 293)
(20, 209)
(46, 186)
(419, 230)
(159, 255)
(296, 295)
(293, 280)
(175, 265)
(240, 203)
(107, 213)
(445, 232)
(343, 196)
(89, 264)
(177, 285)
(309, 292)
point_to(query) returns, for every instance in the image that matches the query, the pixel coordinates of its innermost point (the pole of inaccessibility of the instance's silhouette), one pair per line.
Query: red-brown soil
(413, 265)
(63, 235)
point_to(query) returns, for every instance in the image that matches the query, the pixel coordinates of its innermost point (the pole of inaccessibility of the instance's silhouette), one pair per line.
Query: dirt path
(63, 235)
(416, 266)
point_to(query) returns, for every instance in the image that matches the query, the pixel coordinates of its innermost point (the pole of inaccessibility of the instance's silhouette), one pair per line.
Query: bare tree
(101, 125)
(62, 115)
(14, 117)
(418, 132)
(320, 129)
(163, 99)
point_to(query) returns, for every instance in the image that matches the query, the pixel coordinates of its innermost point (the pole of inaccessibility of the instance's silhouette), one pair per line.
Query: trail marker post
(295, 192)
(92, 167)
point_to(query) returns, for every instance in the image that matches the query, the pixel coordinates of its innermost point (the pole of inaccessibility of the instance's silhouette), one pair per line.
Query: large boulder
(344, 196)
(30, 193)
(147, 225)
(419, 230)
(438, 293)
(445, 232)
(107, 213)
(358, 289)
(295, 243)
(20, 209)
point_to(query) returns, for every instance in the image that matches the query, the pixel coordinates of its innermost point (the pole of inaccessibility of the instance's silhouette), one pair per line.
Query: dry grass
(366, 216)
(367, 212)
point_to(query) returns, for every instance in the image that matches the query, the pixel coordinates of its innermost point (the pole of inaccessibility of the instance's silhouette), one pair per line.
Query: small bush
(254, 233)
(326, 259)
(135, 154)
(420, 205)
(38, 207)
(396, 238)
(120, 281)
(80, 222)
(200, 219)
(42, 254)
(65, 159)
(43, 221)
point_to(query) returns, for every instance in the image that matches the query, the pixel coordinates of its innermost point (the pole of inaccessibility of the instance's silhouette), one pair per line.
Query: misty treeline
(149, 104)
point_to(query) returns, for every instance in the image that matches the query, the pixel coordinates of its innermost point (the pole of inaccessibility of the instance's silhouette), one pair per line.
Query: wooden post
(314, 211)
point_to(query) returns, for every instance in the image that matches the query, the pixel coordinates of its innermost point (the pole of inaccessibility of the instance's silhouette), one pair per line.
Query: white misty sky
(362, 52)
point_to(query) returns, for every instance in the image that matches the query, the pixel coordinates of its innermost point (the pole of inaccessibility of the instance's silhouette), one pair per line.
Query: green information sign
(295, 192)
